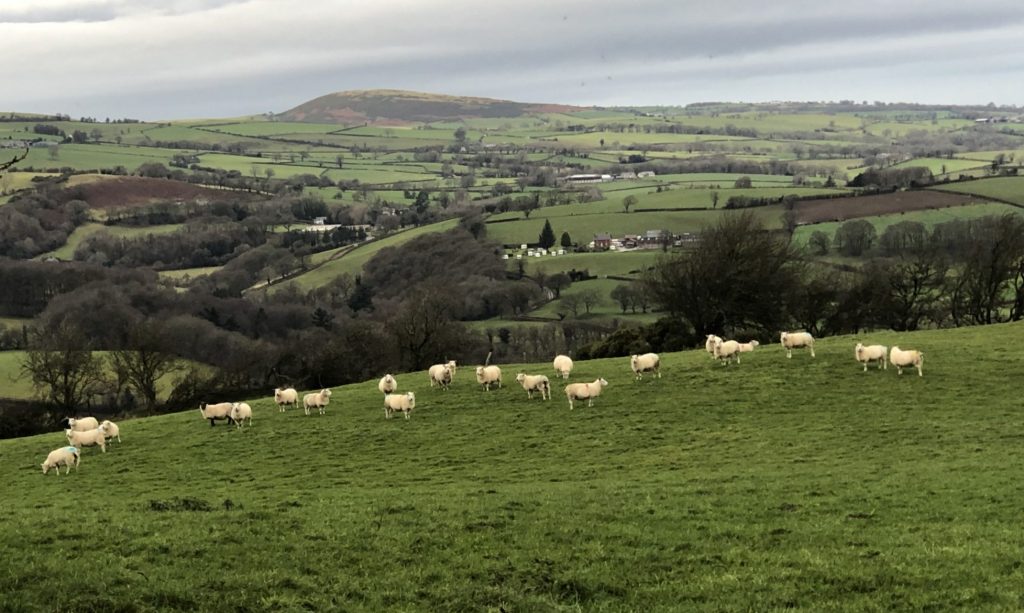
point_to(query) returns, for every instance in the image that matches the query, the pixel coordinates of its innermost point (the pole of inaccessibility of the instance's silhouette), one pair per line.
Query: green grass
(183, 275)
(606, 309)
(798, 484)
(939, 166)
(94, 157)
(352, 262)
(1010, 189)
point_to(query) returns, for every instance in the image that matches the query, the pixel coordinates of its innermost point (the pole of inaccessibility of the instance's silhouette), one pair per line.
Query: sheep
(441, 374)
(399, 402)
(286, 396)
(535, 383)
(317, 400)
(387, 384)
(871, 353)
(213, 412)
(110, 430)
(726, 351)
(68, 456)
(239, 412)
(643, 363)
(451, 364)
(911, 357)
(563, 366)
(82, 424)
(87, 438)
(747, 347)
(709, 345)
(796, 340)
(584, 391)
(487, 375)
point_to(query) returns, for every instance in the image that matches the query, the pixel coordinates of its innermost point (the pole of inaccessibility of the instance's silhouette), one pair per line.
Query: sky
(173, 59)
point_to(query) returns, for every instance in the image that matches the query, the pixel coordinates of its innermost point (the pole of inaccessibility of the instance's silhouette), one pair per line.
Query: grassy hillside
(1010, 189)
(802, 484)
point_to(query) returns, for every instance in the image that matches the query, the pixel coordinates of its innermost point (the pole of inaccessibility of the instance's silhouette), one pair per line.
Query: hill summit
(391, 106)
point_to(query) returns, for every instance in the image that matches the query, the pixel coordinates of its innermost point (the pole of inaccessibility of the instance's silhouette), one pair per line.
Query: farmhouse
(602, 241)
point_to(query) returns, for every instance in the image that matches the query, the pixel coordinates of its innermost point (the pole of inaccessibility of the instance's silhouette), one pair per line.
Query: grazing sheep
(726, 351)
(213, 412)
(487, 375)
(535, 383)
(387, 384)
(748, 347)
(82, 424)
(709, 345)
(563, 365)
(239, 412)
(110, 430)
(87, 438)
(911, 357)
(451, 364)
(871, 353)
(68, 456)
(317, 400)
(584, 391)
(644, 363)
(399, 402)
(796, 340)
(441, 374)
(286, 396)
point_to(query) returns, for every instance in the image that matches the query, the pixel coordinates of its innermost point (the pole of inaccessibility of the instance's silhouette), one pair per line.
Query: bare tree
(144, 362)
(62, 371)
(17, 158)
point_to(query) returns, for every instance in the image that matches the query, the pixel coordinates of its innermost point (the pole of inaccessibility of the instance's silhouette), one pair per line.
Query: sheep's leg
(919, 373)
(812, 351)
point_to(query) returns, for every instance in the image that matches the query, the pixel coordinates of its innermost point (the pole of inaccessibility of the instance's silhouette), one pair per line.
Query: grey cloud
(91, 11)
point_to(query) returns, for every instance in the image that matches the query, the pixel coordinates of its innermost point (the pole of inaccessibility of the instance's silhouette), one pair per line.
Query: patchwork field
(848, 491)
(1007, 189)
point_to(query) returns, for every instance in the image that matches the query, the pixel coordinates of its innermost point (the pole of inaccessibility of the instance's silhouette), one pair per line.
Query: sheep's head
(520, 377)
(782, 337)
(602, 382)
(754, 343)
(46, 467)
(326, 393)
(68, 432)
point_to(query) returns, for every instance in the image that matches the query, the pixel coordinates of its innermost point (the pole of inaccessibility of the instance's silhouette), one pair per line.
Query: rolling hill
(800, 484)
(397, 107)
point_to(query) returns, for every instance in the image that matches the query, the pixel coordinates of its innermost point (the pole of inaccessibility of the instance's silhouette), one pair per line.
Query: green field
(939, 166)
(67, 251)
(798, 484)
(606, 309)
(1009, 189)
(583, 227)
(352, 262)
(928, 217)
(599, 264)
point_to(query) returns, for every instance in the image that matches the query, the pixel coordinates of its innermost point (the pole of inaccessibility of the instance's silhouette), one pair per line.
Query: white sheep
(440, 374)
(82, 424)
(87, 438)
(286, 396)
(748, 347)
(535, 383)
(871, 353)
(911, 357)
(726, 351)
(709, 344)
(68, 456)
(387, 384)
(644, 363)
(399, 402)
(563, 366)
(453, 365)
(317, 400)
(796, 340)
(239, 412)
(584, 391)
(110, 430)
(488, 375)
(213, 412)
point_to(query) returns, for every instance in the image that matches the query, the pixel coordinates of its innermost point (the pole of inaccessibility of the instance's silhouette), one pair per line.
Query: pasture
(1007, 189)
(84, 231)
(800, 484)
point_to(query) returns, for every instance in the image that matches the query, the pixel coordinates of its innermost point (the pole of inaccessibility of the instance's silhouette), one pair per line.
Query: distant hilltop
(396, 107)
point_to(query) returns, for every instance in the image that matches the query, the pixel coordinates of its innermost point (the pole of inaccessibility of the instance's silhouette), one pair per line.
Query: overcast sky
(167, 59)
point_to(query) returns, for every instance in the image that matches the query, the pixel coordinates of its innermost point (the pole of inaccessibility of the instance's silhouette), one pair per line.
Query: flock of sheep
(726, 351)
(87, 431)
(84, 432)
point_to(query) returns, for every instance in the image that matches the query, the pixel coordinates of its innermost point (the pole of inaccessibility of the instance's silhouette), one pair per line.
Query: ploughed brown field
(840, 209)
(127, 192)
